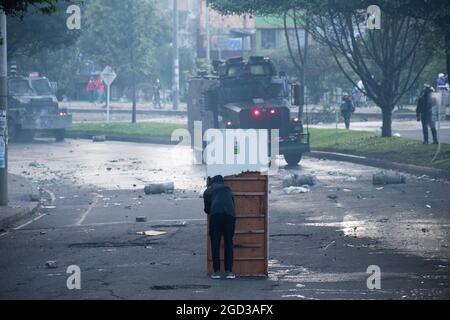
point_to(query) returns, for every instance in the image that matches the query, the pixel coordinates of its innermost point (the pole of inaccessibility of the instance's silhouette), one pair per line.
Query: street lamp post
(3, 113)
(176, 60)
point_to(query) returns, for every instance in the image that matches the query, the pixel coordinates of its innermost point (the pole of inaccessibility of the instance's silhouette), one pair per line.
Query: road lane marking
(95, 224)
(29, 222)
(85, 214)
(51, 194)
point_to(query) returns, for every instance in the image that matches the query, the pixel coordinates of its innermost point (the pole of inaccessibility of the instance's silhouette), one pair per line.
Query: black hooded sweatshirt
(218, 198)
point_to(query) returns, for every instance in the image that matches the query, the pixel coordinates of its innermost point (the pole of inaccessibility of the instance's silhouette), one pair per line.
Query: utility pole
(208, 34)
(3, 110)
(176, 58)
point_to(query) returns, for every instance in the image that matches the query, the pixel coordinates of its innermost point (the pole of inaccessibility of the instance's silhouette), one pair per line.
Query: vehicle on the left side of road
(34, 109)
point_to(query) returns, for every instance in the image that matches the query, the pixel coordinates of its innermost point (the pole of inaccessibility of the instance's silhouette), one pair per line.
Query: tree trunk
(387, 122)
(133, 118)
(301, 106)
(447, 51)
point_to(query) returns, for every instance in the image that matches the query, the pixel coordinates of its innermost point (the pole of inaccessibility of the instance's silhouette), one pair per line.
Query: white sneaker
(230, 275)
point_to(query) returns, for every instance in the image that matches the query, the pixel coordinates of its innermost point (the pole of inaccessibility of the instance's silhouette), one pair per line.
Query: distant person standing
(90, 89)
(219, 205)
(100, 87)
(442, 82)
(157, 94)
(347, 109)
(425, 115)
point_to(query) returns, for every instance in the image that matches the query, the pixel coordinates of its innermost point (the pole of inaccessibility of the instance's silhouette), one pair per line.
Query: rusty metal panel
(250, 192)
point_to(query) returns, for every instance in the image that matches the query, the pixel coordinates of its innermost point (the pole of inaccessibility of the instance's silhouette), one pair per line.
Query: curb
(120, 138)
(369, 116)
(408, 168)
(7, 222)
(122, 111)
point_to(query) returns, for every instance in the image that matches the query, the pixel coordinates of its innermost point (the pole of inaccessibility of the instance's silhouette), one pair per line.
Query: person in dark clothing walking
(347, 109)
(219, 205)
(425, 115)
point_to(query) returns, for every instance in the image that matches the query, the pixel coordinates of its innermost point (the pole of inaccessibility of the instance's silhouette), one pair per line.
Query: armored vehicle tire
(12, 130)
(293, 159)
(60, 135)
(24, 135)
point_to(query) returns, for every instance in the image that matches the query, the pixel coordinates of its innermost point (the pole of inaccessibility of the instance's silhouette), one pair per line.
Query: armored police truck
(248, 95)
(33, 108)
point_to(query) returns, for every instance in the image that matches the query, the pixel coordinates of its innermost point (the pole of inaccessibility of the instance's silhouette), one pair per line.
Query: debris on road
(159, 188)
(141, 219)
(383, 178)
(296, 190)
(36, 164)
(51, 265)
(329, 245)
(428, 206)
(333, 196)
(151, 233)
(35, 196)
(295, 180)
(98, 138)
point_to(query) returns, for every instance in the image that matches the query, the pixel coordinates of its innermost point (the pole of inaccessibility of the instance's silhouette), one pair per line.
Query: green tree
(128, 35)
(18, 7)
(389, 61)
(33, 32)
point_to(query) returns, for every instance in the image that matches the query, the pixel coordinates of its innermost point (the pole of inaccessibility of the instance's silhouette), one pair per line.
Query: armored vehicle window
(42, 87)
(20, 87)
(235, 70)
(259, 70)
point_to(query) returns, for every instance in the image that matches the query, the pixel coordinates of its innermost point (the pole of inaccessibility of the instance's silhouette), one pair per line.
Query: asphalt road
(319, 248)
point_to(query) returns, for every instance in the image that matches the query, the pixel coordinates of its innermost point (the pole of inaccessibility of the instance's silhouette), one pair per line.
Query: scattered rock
(296, 190)
(295, 180)
(141, 219)
(51, 265)
(35, 197)
(333, 196)
(35, 164)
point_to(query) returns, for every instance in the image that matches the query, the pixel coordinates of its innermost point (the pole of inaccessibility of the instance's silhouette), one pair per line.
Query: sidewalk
(86, 106)
(20, 204)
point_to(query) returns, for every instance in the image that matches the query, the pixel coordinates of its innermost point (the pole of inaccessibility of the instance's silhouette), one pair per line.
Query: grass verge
(371, 145)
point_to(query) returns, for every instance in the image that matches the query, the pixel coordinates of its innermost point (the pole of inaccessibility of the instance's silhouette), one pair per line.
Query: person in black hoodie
(219, 205)
(425, 114)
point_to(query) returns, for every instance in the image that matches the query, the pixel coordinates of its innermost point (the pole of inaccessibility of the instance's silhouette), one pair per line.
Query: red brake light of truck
(256, 112)
(272, 111)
